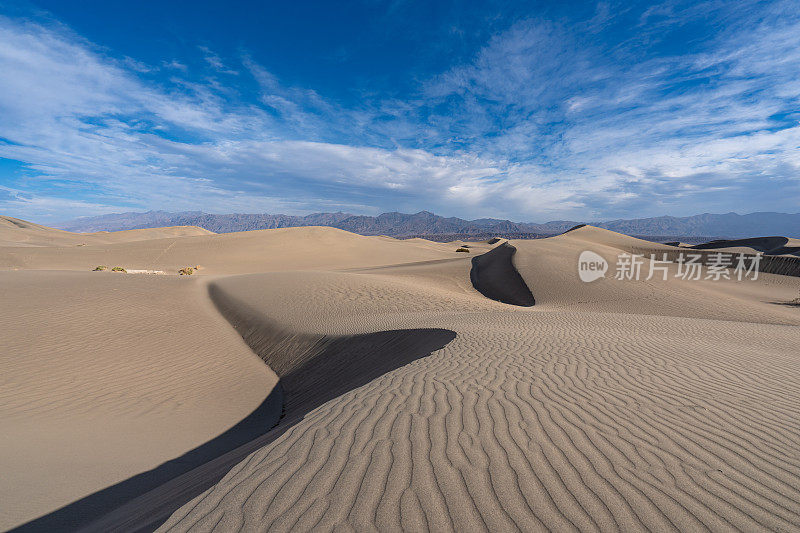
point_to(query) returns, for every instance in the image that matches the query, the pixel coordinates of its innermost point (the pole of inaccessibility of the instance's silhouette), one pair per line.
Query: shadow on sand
(312, 370)
(493, 274)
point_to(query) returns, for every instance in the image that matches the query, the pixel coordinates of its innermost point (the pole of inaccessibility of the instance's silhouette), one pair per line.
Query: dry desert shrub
(118, 269)
(188, 271)
(100, 268)
(463, 250)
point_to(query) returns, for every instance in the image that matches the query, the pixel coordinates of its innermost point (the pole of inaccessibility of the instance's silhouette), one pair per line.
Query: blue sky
(531, 111)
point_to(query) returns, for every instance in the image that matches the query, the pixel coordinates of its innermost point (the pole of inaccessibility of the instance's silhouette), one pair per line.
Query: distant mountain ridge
(728, 225)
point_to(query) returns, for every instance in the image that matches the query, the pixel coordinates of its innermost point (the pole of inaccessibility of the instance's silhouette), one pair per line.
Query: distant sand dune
(765, 245)
(231, 253)
(15, 232)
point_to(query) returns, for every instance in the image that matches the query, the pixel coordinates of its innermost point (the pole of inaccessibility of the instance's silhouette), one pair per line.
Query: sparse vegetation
(188, 271)
(118, 269)
(796, 301)
(100, 268)
(463, 250)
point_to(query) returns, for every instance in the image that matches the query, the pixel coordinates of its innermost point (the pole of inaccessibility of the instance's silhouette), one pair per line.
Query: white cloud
(102, 131)
(597, 122)
(98, 124)
(215, 62)
(544, 122)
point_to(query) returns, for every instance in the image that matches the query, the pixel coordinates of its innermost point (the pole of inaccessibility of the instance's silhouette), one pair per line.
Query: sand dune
(106, 376)
(549, 267)
(98, 359)
(410, 396)
(232, 253)
(493, 274)
(528, 419)
(15, 232)
(765, 245)
(146, 234)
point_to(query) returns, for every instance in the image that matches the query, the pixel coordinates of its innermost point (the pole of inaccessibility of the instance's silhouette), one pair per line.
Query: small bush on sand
(188, 271)
(463, 250)
(118, 269)
(100, 268)
(795, 302)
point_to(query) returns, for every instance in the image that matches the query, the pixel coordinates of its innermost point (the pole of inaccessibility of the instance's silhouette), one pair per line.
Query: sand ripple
(536, 421)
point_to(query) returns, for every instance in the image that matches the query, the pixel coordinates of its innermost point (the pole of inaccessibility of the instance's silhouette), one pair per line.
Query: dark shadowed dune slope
(494, 275)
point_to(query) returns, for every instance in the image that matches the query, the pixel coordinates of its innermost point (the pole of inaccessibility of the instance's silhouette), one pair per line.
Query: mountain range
(424, 223)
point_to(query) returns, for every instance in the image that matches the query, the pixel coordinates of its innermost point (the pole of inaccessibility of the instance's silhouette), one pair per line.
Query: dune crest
(315, 368)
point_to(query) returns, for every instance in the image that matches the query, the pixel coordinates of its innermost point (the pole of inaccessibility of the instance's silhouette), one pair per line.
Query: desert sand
(16, 233)
(392, 387)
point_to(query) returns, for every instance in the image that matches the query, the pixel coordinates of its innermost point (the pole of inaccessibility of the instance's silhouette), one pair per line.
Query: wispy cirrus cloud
(685, 123)
(185, 146)
(593, 118)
